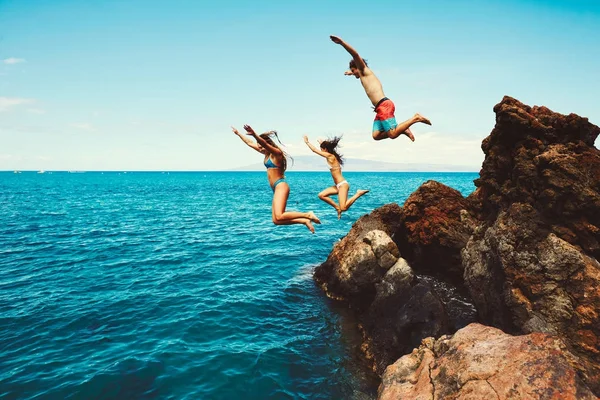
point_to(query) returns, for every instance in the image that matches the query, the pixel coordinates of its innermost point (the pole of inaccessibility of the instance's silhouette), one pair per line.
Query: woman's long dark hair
(331, 146)
(267, 137)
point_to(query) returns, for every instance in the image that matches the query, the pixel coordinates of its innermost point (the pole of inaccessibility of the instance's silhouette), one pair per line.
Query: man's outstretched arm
(360, 64)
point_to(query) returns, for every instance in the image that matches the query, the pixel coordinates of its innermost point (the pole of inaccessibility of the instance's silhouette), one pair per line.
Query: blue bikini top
(270, 164)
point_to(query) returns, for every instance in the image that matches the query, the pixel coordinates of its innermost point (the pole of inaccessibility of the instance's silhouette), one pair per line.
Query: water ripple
(172, 286)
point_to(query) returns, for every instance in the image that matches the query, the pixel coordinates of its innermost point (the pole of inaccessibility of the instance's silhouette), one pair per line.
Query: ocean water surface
(177, 286)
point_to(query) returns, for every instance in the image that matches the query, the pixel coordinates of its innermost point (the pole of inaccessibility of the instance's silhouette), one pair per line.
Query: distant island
(311, 163)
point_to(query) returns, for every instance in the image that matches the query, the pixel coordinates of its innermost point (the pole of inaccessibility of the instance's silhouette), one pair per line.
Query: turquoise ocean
(147, 285)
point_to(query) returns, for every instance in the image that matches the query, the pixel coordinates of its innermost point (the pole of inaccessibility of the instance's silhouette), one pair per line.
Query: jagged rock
(406, 310)
(525, 245)
(395, 309)
(480, 362)
(435, 226)
(383, 247)
(533, 281)
(531, 265)
(395, 324)
(548, 160)
(361, 258)
(398, 279)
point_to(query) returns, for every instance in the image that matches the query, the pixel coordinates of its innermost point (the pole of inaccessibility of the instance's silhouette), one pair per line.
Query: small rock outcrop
(481, 362)
(435, 226)
(361, 258)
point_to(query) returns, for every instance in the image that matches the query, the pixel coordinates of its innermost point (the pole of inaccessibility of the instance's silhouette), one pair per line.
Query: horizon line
(78, 171)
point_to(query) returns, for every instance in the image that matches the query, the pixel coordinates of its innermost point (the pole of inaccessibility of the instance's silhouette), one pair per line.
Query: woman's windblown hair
(331, 146)
(267, 136)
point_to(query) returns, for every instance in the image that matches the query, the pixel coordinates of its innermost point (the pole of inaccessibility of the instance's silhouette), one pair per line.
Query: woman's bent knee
(277, 219)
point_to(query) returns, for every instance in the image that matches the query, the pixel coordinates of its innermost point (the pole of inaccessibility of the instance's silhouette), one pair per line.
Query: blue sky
(155, 85)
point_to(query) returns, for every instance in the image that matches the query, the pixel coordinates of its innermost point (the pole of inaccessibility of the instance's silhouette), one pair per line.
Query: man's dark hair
(353, 63)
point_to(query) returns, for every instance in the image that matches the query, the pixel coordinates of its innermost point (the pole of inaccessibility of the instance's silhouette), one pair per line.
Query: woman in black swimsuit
(276, 164)
(341, 186)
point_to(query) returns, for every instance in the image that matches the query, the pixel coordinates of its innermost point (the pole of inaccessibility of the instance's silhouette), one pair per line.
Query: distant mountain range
(310, 163)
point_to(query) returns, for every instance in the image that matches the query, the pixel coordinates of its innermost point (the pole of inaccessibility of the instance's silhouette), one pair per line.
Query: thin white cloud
(429, 148)
(36, 111)
(13, 60)
(8, 102)
(84, 126)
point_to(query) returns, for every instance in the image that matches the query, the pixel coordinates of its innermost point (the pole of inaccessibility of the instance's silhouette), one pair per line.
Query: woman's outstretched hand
(249, 130)
(235, 131)
(305, 139)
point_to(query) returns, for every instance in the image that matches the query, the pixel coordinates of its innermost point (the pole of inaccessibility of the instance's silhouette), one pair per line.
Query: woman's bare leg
(343, 198)
(352, 199)
(280, 197)
(324, 195)
(304, 221)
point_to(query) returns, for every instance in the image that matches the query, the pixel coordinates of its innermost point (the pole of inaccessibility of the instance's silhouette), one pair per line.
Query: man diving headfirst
(385, 125)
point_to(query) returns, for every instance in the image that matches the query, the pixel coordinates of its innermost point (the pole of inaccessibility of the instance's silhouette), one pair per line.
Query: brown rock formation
(434, 228)
(525, 246)
(355, 264)
(547, 160)
(532, 266)
(481, 362)
(395, 309)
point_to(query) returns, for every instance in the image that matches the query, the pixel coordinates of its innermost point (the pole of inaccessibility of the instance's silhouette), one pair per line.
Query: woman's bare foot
(422, 119)
(313, 217)
(310, 226)
(339, 212)
(362, 192)
(410, 135)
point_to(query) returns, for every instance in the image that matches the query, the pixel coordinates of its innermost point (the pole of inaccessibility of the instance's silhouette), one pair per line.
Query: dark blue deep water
(176, 286)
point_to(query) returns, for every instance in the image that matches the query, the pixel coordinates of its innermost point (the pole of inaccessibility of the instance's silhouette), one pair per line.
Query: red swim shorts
(385, 119)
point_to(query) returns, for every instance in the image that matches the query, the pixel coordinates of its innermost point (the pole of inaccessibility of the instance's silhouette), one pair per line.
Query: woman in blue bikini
(341, 186)
(276, 164)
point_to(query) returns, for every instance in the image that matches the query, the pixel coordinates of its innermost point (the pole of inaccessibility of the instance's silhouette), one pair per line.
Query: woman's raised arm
(247, 140)
(314, 149)
(270, 148)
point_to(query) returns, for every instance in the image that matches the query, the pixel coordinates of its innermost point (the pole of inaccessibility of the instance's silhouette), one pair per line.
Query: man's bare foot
(313, 217)
(422, 119)
(310, 226)
(410, 135)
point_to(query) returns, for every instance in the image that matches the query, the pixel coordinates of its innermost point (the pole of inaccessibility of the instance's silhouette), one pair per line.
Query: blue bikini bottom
(277, 182)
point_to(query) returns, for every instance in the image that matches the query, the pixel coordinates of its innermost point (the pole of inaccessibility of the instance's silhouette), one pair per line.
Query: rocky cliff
(519, 254)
